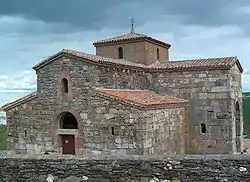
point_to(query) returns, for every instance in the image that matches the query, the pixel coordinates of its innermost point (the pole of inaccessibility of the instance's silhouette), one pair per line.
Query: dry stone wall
(210, 168)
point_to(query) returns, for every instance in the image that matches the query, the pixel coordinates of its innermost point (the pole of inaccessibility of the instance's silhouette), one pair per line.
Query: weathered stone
(131, 168)
(172, 129)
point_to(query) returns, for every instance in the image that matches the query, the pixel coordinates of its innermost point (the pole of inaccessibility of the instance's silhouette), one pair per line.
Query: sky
(31, 31)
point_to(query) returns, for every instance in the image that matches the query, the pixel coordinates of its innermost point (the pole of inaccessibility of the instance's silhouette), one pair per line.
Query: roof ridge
(130, 37)
(203, 63)
(209, 58)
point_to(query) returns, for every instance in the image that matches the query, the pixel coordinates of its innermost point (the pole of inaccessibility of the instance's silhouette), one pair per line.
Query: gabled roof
(130, 37)
(195, 64)
(211, 63)
(140, 98)
(91, 58)
(17, 102)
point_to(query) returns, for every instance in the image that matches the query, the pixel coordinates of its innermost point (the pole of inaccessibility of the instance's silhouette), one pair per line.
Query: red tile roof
(17, 102)
(141, 98)
(212, 63)
(90, 57)
(130, 37)
(209, 63)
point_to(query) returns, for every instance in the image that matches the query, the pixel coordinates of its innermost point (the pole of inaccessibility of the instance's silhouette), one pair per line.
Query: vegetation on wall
(3, 137)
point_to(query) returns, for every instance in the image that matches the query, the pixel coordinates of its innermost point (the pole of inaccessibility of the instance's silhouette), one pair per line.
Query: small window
(158, 54)
(120, 51)
(112, 130)
(203, 128)
(65, 85)
(25, 133)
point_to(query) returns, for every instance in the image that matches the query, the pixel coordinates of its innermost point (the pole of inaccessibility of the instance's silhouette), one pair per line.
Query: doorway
(68, 144)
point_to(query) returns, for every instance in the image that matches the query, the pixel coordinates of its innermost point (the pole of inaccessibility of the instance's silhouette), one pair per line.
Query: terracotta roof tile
(213, 63)
(129, 37)
(208, 63)
(18, 102)
(92, 58)
(141, 98)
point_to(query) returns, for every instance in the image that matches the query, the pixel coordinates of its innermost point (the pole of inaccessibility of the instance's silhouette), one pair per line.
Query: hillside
(3, 137)
(246, 113)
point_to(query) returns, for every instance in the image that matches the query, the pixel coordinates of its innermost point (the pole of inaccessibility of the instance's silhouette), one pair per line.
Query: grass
(247, 131)
(3, 137)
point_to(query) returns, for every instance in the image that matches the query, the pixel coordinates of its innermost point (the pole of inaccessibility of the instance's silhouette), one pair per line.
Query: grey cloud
(96, 14)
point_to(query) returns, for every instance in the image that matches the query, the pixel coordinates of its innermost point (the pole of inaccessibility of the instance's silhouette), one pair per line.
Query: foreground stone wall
(126, 168)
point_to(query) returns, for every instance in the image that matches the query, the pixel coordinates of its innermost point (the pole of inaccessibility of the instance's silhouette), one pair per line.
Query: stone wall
(237, 110)
(143, 52)
(25, 132)
(166, 131)
(133, 51)
(136, 132)
(211, 95)
(160, 131)
(111, 127)
(217, 168)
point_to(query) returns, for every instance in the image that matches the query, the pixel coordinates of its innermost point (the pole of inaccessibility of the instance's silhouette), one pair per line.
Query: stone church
(129, 98)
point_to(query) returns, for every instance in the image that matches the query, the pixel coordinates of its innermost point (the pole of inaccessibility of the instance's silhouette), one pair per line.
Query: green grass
(3, 137)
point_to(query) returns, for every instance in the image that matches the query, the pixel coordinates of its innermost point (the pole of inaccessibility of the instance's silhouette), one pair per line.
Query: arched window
(120, 51)
(203, 128)
(158, 54)
(68, 121)
(65, 85)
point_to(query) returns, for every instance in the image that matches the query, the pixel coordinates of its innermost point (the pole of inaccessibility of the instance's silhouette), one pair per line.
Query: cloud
(97, 14)
(34, 30)
(13, 91)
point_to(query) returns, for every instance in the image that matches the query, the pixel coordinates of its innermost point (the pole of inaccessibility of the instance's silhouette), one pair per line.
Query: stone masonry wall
(25, 133)
(125, 168)
(111, 127)
(151, 53)
(210, 102)
(140, 52)
(95, 117)
(133, 51)
(209, 92)
(236, 95)
(166, 130)
(41, 119)
(83, 78)
(135, 131)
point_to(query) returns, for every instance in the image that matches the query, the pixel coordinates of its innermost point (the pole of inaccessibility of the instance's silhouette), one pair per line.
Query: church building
(129, 98)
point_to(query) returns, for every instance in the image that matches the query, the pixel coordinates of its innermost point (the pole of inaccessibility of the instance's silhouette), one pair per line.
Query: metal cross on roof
(132, 25)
